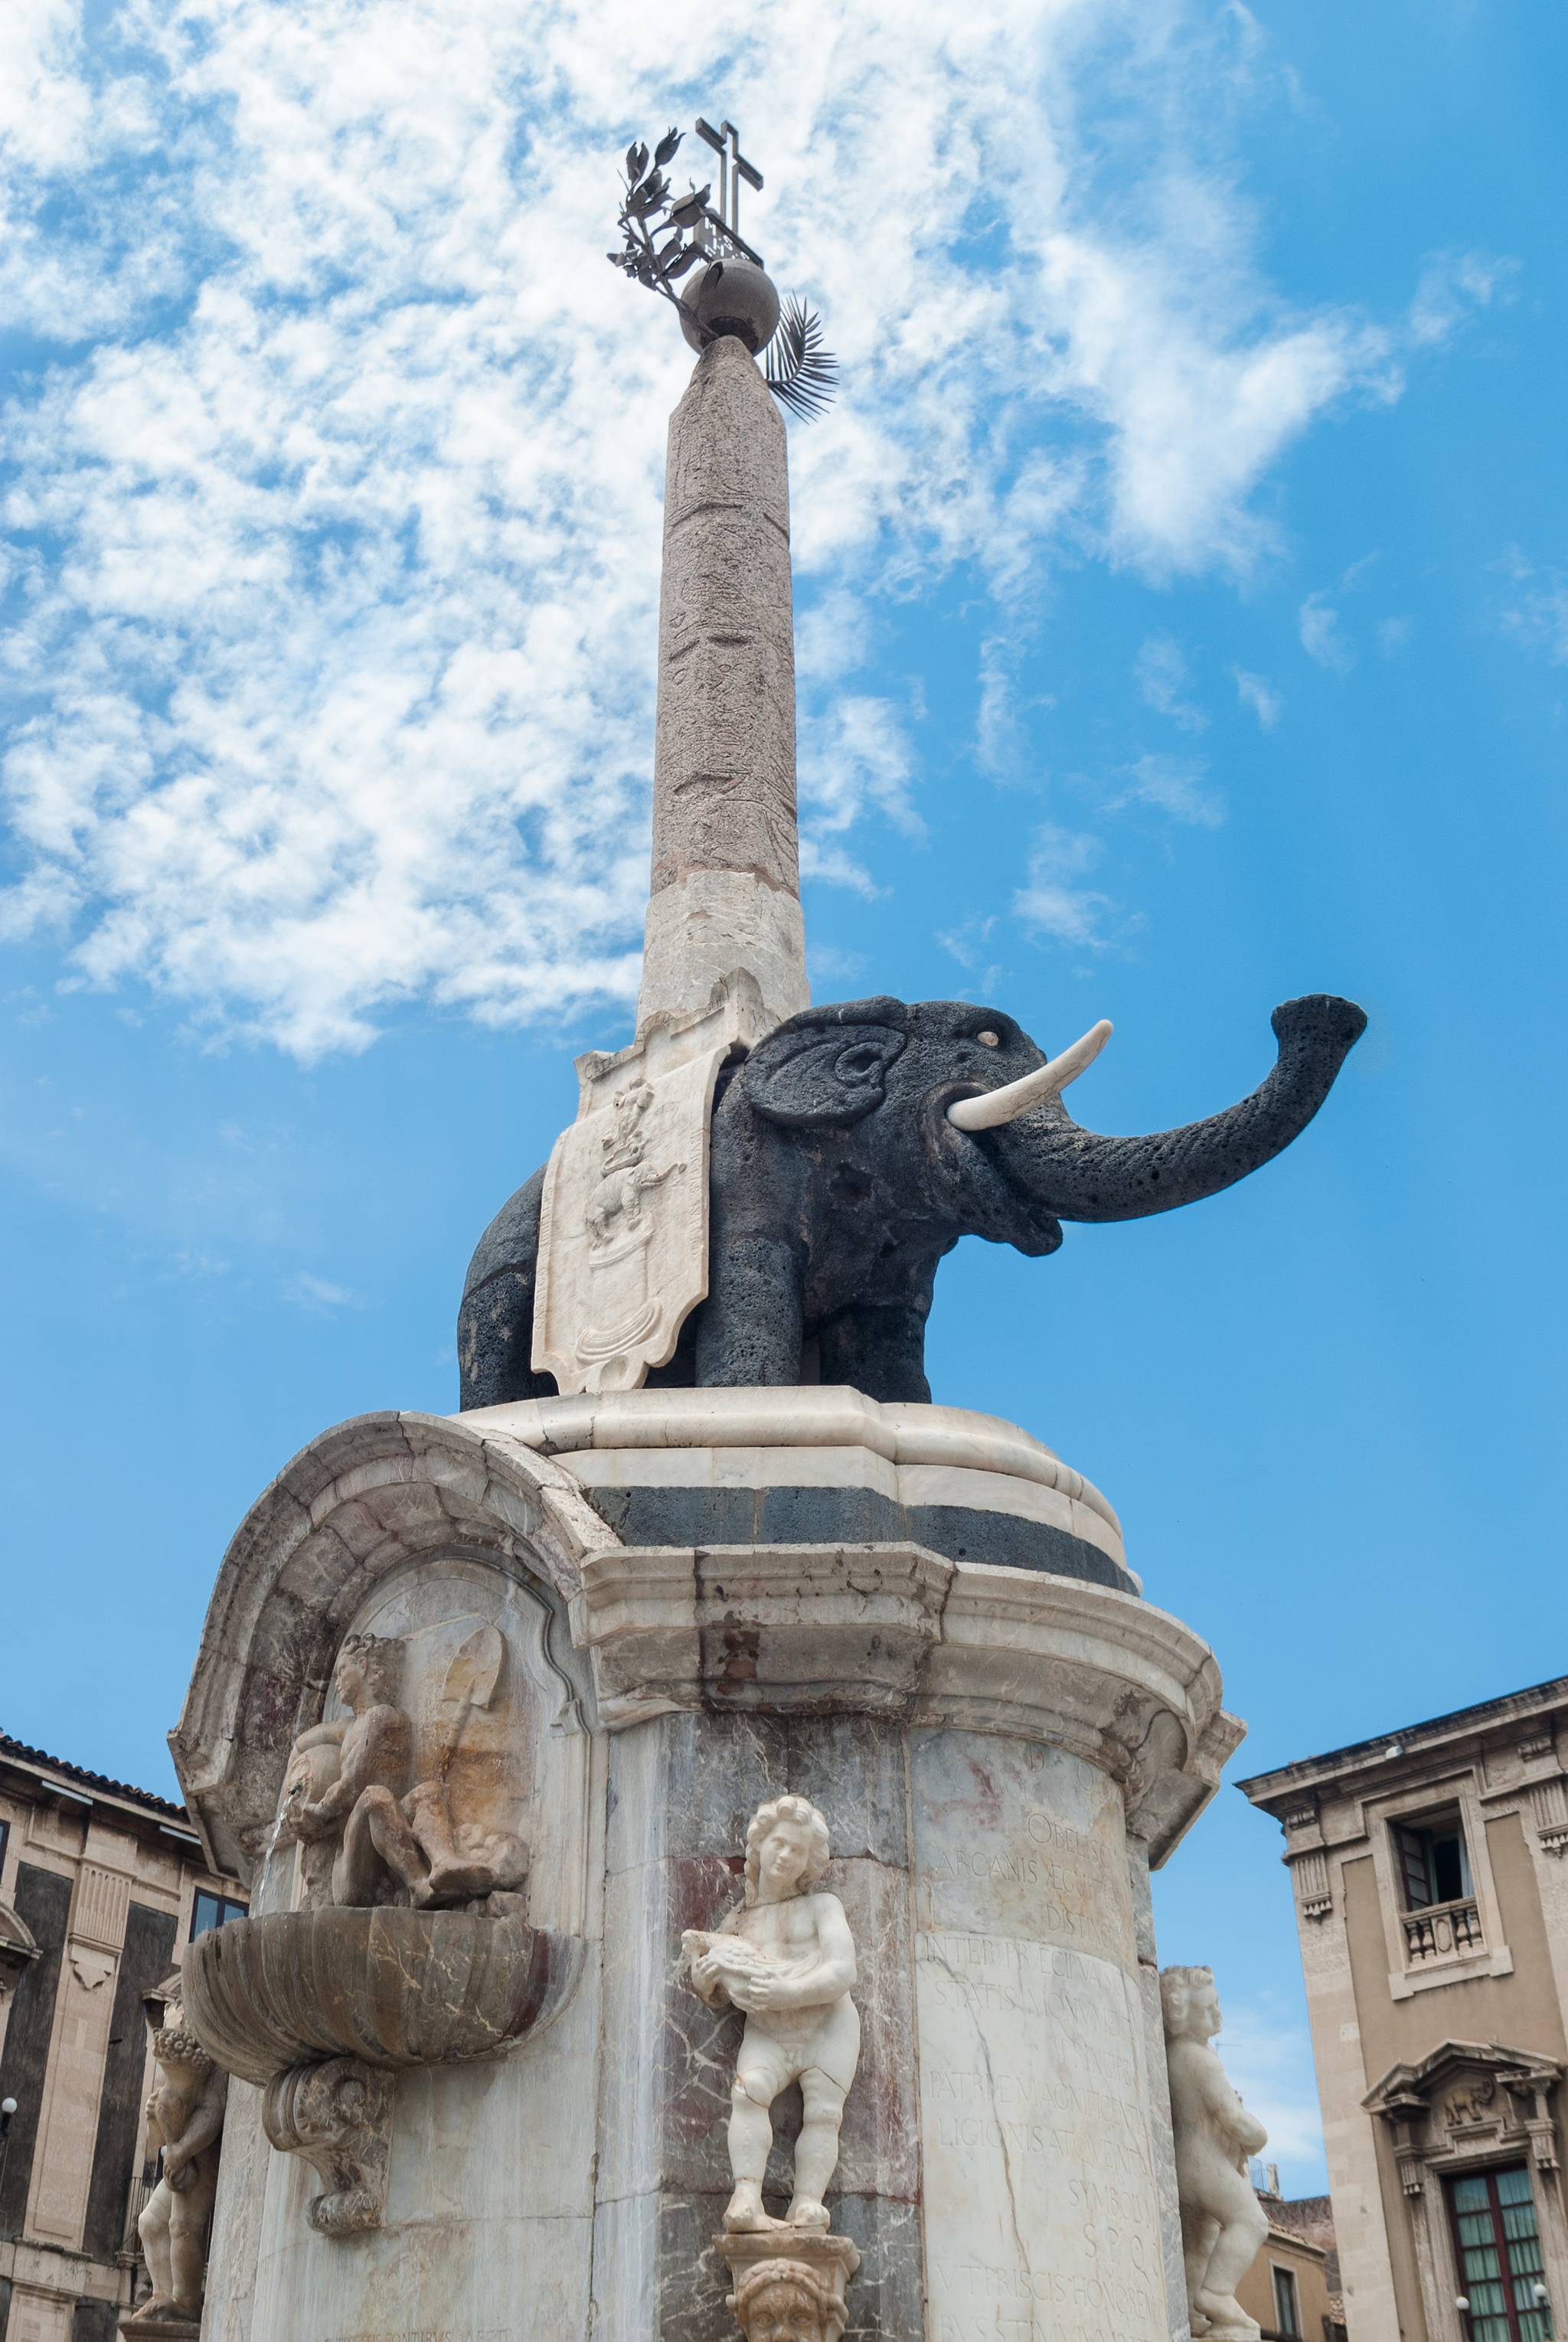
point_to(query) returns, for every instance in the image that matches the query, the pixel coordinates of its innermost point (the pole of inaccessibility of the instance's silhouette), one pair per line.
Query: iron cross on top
(733, 167)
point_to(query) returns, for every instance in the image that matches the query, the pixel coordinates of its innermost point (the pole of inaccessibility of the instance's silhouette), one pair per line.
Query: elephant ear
(825, 1068)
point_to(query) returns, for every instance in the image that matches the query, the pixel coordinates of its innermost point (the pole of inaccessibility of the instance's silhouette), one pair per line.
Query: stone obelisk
(726, 894)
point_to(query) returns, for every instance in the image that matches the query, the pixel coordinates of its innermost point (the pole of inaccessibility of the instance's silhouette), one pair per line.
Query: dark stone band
(710, 1516)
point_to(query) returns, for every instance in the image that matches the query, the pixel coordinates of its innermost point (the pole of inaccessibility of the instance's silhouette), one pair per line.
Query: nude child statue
(184, 2116)
(1223, 2223)
(786, 1959)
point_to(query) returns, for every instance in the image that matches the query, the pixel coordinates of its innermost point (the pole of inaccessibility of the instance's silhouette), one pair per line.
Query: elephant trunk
(1081, 1175)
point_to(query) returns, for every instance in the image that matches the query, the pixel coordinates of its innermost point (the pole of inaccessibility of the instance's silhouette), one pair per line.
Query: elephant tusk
(993, 1107)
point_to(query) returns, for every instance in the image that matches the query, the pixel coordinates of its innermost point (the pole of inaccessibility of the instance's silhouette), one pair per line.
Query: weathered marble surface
(1042, 2213)
(726, 887)
(584, 2176)
(683, 1789)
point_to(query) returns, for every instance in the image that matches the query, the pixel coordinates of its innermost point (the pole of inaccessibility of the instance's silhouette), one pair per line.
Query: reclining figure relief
(367, 1836)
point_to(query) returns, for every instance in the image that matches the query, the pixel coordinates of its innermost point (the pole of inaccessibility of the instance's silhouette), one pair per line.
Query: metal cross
(733, 167)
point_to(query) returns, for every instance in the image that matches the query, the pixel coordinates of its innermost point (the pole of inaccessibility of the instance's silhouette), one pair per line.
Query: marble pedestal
(919, 1618)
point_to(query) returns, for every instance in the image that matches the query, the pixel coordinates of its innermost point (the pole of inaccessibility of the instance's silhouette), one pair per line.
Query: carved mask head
(787, 2301)
(786, 1849)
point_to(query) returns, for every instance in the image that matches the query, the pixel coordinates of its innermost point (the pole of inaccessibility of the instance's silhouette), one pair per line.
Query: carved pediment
(1463, 2100)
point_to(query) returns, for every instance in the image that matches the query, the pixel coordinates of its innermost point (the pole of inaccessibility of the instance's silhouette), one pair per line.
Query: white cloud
(1053, 902)
(317, 1296)
(854, 759)
(1267, 2054)
(1322, 637)
(1536, 612)
(1262, 698)
(1395, 635)
(1161, 676)
(337, 511)
(1453, 286)
(1173, 786)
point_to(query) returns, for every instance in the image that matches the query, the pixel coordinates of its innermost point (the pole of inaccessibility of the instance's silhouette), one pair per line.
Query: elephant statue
(852, 1148)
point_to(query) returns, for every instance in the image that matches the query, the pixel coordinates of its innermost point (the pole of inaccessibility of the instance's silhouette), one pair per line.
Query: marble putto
(1224, 2225)
(786, 1959)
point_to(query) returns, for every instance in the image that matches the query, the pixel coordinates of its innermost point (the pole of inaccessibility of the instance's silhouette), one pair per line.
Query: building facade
(1293, 2288)
(1432, 1902)
(100, 1885)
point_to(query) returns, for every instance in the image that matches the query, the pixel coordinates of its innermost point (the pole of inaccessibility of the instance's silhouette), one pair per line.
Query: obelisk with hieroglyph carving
(623, 1219)
(724, 900)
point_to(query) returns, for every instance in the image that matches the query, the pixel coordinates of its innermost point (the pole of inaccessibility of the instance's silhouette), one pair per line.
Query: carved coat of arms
(624, 1224)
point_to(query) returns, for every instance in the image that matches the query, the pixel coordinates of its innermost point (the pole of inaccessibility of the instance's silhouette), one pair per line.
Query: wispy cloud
(1454, 286)
(1267, 2054)
(317, 1296)
(1164, 679)
(1055, 903)
(335, 487)
(1173, 786)
(1262, 698)
(1321, 634)
(1535, 607)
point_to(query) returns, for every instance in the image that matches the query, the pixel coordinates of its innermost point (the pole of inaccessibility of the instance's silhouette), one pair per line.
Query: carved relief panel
(462, 1729)
(422, 1897)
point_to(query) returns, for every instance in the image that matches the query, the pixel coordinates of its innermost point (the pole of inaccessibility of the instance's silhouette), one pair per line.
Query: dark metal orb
(739, 300)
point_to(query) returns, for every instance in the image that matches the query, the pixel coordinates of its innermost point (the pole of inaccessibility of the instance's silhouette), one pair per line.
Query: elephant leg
(495, 1344)
(749, 1331)
(877, 1347)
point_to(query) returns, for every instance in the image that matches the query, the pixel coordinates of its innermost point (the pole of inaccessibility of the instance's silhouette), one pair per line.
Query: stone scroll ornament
(1224, 2225)
(185, 2120)
(787, 1961)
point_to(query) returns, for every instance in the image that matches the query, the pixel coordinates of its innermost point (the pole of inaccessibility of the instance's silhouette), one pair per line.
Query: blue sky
(1182, 596)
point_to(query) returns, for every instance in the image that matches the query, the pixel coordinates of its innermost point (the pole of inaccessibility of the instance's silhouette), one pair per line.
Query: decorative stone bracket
(338, 2116)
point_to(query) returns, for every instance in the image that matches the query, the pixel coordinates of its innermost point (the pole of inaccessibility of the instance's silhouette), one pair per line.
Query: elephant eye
(989, 1040)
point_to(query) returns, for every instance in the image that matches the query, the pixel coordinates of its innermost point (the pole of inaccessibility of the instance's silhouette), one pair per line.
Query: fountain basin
(389, 1987)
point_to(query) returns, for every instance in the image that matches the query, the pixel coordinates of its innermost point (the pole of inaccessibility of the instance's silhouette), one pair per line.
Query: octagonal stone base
(921, 1619)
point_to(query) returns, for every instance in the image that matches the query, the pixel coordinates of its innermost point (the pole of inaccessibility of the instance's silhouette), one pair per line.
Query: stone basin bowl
(389, 1987)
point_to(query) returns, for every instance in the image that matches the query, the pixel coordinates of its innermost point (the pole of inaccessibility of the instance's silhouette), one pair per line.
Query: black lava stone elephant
(854, 1147)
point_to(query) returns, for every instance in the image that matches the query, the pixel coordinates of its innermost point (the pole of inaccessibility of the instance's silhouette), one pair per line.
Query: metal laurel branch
(800, 372)
(650, 210)
(664, 236)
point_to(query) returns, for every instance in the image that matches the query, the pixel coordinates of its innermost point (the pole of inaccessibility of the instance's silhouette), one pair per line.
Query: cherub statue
(1223, 2223)
(386, 1833)
(786, 1959)
(184, 2116)
(787, 2301)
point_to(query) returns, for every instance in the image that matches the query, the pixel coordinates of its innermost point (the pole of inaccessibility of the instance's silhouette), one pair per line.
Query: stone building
(100, 1885)
(1293, 2288)
(1431, 1901)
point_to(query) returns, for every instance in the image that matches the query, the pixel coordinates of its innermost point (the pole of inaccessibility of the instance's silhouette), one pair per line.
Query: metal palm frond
(801, 374)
